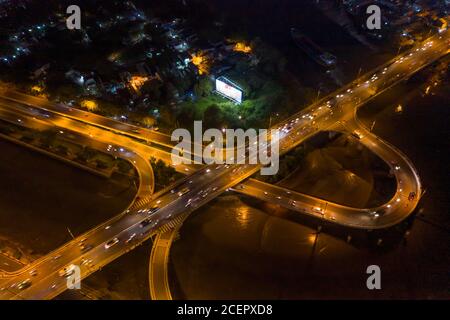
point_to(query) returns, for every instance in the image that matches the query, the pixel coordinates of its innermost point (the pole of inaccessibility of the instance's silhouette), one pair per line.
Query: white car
(111, 243)
(319, 210)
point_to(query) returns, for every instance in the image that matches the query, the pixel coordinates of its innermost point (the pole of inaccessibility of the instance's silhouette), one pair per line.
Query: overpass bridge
(213, 180)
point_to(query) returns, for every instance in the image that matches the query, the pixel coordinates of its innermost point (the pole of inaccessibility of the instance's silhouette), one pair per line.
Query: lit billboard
(228, 90)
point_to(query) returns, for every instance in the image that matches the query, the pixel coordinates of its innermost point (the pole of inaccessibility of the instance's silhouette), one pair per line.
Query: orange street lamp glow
(89, 104)
(36, 88)
(137, 82)
(242, 47)
(200, 61)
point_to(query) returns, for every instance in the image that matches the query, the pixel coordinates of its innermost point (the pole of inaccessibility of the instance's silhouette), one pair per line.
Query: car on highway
(318, 209)
(286, 129)
(67, 271)
(87, 262)
(183, 191)
(357, 134)
(144, 223)
(24, 284)
(85, 247)
(154, 209)
(111, 243)
(378, 213)
(131, 238)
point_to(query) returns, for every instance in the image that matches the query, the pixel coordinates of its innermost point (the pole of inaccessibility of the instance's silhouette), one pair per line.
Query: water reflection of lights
(243, 216)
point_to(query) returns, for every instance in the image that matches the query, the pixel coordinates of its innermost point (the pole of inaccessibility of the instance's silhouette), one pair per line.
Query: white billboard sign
(229, 91)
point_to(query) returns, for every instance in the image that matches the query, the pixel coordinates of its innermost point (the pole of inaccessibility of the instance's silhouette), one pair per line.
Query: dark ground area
(339, 169)
(40, 198)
